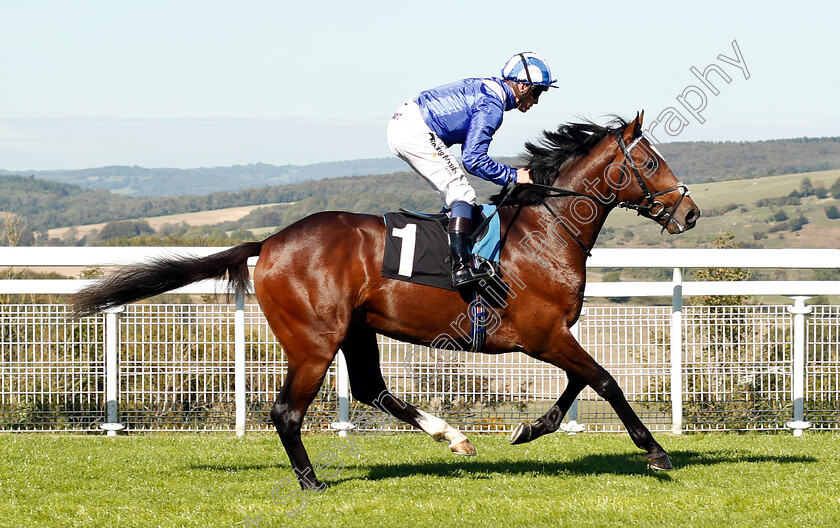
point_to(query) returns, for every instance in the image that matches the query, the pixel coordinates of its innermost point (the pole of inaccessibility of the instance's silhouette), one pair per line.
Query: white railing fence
(216, 367)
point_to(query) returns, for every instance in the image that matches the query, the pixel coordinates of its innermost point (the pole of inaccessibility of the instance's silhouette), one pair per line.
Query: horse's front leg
(551, 420)
(582, 368)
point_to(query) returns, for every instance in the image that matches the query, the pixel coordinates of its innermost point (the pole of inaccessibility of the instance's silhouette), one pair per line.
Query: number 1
(408, 234)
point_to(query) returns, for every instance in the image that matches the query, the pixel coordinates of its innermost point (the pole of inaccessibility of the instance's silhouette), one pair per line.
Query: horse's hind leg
(368, 386)
(551, 420)
(302, 383)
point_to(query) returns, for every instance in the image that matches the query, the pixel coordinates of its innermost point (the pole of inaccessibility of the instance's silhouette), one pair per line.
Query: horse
(319, 285)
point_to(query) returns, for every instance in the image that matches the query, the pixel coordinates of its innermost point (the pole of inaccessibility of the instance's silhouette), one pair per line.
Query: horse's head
(644, 182)
(631, 173)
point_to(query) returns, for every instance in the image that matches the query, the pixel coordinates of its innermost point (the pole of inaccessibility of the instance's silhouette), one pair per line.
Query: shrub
(719, 211)
(835, 189)
(806, 187)
(612, 276)
(125, 229)
(797, 223)
(723, 240)
(780, 216)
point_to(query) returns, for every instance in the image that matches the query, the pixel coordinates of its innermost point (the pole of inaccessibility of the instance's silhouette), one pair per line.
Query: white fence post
(606, 257)
(112, 372)
(676, 355)
(572, 426)
(799, 311)
(239, 364)
(343, 386)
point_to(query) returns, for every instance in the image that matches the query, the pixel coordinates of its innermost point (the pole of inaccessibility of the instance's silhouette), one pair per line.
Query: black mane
(546, 158)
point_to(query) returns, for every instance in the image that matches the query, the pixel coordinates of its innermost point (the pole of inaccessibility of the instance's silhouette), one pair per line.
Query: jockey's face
(530, 96)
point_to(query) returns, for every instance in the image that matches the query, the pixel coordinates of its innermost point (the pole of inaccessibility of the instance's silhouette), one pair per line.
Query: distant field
(200, 218)
(744, 221)
(821, 232)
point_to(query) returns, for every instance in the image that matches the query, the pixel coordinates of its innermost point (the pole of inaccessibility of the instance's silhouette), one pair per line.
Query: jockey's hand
(523, 175)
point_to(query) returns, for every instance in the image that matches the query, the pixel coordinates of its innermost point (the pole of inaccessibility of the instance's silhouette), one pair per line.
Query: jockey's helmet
(528, 68)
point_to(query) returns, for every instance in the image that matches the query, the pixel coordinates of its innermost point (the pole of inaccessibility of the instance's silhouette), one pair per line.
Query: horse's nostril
(692, 216)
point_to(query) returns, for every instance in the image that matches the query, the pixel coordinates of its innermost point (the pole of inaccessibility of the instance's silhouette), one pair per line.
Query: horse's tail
(163, 274)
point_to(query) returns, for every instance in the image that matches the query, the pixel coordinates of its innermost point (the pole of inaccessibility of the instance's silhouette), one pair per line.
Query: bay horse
(319, 283)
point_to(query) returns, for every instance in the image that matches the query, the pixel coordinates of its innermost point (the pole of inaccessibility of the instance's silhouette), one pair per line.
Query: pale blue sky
(187, 84)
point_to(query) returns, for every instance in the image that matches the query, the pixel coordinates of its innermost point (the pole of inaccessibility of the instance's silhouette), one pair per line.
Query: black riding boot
(462, 272)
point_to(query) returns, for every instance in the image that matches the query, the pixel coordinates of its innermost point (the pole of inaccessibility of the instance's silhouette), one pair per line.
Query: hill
(774, 211)
(139, 181)
(705, 161)
(694, 162)
(732, 205)
(158, 223)
(47, 205)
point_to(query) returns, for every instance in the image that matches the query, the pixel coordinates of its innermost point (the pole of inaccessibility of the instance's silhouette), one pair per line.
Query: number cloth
(416, 248)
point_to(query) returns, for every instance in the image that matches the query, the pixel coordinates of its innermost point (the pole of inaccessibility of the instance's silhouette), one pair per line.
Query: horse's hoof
(312, 485)
(464, 447)
(659, 462)
(521, 434)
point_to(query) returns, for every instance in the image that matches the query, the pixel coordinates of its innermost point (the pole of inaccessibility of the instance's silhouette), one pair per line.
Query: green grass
(407, 480)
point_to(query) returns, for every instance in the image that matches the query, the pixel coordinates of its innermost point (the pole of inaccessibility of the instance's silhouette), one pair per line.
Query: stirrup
(468, 275)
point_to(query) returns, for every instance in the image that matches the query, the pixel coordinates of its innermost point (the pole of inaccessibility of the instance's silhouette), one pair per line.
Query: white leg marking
(439, 429)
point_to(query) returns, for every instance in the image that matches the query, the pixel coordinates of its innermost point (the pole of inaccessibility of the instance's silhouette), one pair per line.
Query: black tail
(161, 275)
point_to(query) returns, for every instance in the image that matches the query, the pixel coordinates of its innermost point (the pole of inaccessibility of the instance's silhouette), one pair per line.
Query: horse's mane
(546, 158)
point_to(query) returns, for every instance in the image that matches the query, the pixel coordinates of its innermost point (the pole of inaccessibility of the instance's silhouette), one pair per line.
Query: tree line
(44, 205)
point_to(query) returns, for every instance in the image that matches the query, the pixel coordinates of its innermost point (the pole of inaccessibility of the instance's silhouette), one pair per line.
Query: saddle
(417, 246)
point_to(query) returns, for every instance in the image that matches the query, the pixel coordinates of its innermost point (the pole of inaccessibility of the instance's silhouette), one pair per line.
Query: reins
(551, 192)
(649, 206)
(508, 191)
(554, 192)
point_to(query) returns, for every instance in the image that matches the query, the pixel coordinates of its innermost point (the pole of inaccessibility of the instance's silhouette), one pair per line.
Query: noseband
(650, 206)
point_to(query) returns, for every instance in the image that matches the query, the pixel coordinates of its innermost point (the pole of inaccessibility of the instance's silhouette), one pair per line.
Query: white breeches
(410, 138)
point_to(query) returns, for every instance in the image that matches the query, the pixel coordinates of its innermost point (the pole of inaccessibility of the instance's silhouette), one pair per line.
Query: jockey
(467, 112)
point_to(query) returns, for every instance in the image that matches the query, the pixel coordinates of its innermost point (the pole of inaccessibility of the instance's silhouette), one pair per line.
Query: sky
(209, 83)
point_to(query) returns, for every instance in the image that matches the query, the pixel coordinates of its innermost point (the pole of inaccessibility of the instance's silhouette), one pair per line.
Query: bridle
(650, 206)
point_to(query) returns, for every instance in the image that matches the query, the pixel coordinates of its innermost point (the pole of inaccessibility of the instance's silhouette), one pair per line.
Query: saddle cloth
(417, 246)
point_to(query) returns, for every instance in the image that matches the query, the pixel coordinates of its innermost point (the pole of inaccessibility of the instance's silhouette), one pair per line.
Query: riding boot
(462, 272)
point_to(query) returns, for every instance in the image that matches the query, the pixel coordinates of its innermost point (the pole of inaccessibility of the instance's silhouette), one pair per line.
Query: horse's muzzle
(684, 218)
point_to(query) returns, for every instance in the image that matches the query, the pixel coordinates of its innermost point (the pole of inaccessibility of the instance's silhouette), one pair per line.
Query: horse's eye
(651, 164)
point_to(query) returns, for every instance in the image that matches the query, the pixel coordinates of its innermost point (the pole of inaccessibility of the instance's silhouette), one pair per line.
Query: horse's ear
(637, 124)
(634, 128)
